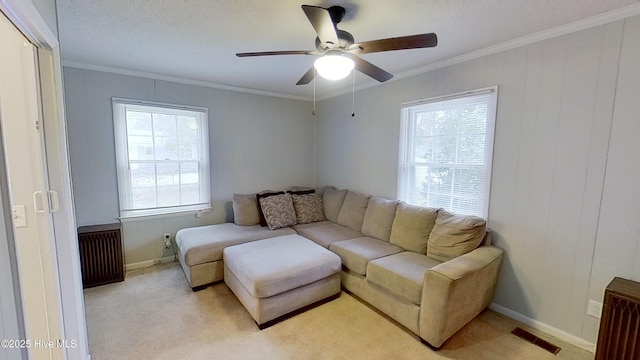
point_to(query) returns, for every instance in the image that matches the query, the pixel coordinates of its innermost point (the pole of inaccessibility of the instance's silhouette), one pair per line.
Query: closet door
(29, 195)
(11, 323)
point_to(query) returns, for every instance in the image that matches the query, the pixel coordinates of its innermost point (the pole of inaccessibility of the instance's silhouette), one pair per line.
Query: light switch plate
(19, 216)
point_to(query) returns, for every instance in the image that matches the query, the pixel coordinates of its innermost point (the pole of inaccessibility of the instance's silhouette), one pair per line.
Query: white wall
(47, 9)
(564, 198)
(256, 142)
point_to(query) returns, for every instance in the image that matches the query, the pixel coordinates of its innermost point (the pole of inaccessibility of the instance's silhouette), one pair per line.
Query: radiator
(101, 257)
(619, 336)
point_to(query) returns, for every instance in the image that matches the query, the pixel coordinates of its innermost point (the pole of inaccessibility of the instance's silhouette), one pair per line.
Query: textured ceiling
(197, 39)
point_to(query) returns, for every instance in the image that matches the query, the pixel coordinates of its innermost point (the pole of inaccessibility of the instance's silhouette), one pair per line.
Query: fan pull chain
(353, 93)
(314, 91)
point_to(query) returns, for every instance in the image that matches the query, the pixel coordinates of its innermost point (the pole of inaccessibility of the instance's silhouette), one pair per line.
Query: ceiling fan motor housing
(345, 40)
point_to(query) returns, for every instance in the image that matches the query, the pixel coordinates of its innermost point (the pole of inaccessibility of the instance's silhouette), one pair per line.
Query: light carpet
(154, 314)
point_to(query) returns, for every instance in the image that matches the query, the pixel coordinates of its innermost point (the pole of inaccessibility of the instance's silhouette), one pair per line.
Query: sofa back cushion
(245, 209)
(378, 218)
(353, 210)
(455, 235)
(412, 226)
(332, 201)
(322, 189)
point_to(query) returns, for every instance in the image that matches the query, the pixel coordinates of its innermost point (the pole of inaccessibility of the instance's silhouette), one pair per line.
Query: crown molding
(579, 25)
(177, 79)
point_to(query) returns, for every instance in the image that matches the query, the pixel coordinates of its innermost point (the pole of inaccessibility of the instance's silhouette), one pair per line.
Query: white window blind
(446, 148)
(162, 157)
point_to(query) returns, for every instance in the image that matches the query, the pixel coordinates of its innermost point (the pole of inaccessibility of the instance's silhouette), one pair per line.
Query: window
(446, 148)
(162, 156)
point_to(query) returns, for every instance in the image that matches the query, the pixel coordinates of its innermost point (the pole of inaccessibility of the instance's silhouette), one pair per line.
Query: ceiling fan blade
(368, 68)
(267, 53)
(307, 77)
(321, 21)
(397, 43)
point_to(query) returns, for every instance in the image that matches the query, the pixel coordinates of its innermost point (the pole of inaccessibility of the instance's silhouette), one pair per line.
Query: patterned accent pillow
(278, 211)
(260, 195)
(308, 208)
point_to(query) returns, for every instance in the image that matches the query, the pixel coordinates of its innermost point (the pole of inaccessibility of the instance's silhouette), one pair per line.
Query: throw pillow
(278, 211)
(353, 209)
(301, 192)
(245, 209)
(332, 201)
(308, 208)
(264, 194)
(455, 235)
(412, 226)
(379, 217)
(294, 189)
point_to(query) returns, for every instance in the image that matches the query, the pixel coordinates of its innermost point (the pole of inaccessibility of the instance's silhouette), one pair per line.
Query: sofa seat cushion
(401, 274)
(273, 266)
(356, 253)
(205, 244)
(325, 233)
(301, 227)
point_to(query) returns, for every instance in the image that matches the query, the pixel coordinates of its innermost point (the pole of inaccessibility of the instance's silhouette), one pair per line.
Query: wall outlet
(594, 309)
(167, 240)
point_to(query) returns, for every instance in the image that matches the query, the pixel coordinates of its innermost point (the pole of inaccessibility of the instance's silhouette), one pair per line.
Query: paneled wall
(565, 204)
(256, 142)
(564, 199)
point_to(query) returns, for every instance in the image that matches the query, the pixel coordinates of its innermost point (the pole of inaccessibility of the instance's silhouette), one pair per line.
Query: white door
(64, 223)
(29, 195)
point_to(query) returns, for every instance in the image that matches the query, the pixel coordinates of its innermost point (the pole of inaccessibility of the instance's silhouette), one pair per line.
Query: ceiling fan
(338, 50)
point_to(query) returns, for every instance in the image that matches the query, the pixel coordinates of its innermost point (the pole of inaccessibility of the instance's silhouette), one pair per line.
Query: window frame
(123, 162)
(406, 135)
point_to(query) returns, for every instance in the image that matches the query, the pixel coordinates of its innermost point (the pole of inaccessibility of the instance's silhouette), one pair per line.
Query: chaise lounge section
(429, 270)
(200, 249)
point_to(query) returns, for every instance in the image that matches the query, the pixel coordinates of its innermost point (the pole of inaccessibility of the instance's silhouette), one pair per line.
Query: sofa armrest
(456, 291)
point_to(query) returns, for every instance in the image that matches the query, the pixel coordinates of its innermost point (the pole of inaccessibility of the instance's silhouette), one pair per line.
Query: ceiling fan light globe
(334, 67)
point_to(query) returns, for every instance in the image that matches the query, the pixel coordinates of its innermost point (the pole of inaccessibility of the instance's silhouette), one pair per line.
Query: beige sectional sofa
(430, 271)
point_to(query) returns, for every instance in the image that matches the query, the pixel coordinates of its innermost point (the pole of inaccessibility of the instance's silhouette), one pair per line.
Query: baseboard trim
(147, 263)
(546, 328)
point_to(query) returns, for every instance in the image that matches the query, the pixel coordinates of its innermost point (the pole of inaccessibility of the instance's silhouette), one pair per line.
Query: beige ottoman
(274, 277)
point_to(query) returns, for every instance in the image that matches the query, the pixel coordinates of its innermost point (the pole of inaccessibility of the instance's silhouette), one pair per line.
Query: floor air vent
(525, 335)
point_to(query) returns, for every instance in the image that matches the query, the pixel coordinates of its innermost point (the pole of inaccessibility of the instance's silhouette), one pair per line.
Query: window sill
(198, 213)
